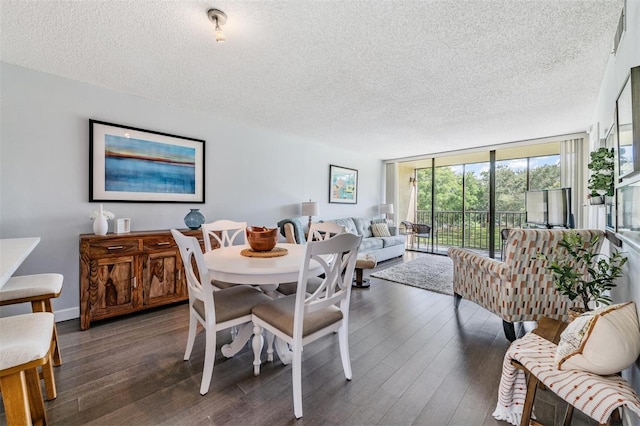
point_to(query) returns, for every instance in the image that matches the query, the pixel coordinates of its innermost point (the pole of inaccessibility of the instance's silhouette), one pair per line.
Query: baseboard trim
(25, 308)
(67, 314)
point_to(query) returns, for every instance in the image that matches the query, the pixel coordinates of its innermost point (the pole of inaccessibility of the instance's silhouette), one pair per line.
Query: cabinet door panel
(160, 275)
(112, 286)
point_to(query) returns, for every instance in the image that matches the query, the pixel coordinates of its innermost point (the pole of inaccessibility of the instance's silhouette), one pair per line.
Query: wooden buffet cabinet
(124, 273)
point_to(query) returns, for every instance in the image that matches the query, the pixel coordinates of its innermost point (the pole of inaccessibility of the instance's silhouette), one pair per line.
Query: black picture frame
(129, 164)
(343, 185)
(628, 126)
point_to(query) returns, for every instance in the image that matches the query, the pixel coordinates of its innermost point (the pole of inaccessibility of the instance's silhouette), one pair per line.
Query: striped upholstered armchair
(520, 288)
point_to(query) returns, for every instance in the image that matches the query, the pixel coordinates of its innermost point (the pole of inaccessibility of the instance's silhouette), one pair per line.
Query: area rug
(430, 272)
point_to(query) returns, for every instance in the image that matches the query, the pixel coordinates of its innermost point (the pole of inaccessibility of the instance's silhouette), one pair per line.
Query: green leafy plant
(601, 166)
(602, 270)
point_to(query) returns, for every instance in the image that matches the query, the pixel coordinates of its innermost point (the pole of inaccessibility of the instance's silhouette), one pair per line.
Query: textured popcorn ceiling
(392, 78)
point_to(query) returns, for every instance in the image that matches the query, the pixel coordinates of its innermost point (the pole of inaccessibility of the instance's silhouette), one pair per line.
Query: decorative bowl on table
(261, 238)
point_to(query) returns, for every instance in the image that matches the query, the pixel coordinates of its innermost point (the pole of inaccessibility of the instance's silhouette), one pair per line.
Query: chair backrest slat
(229, 231)
(324, 230)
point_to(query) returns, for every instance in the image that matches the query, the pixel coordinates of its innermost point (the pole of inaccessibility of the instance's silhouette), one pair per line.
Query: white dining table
(229, 265)
(13, 251)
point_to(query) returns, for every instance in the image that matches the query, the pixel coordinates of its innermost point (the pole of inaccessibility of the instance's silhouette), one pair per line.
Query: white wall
(251, 175)
(627, 57)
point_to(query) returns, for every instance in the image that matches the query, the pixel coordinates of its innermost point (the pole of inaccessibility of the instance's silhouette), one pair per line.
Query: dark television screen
(536, 204)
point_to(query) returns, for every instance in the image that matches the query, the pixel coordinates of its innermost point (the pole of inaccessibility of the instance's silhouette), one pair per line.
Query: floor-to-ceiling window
(514, 177)
(476, 205)
(544, 172)
(453, 193)
(452, 198)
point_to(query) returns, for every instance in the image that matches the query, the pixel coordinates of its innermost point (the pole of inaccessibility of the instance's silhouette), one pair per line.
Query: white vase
(100, 225)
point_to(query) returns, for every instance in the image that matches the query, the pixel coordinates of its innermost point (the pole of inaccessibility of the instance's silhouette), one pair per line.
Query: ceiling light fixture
(218, 17)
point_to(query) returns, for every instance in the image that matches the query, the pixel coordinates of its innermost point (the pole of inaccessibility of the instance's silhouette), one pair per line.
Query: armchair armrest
(292, 230)
(289, 233)
(487, 265)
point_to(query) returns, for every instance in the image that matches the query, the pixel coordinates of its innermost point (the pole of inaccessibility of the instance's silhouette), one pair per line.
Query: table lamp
(310, 208)
(386, 209)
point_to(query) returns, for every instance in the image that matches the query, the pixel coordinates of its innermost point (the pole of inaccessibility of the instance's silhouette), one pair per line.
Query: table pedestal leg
(243, 336)
(284, 353)
(282, 349)
(270, 290)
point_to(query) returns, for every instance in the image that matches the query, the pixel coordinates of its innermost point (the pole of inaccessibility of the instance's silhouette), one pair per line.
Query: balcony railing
(470, 228)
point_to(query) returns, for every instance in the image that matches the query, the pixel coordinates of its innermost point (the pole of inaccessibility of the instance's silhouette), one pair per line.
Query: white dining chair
(302, 318)
(225, 233)
(318, 231)
(214, 310)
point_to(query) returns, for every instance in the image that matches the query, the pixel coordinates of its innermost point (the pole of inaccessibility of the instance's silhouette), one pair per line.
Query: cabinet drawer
(114, 247)
(158, 242)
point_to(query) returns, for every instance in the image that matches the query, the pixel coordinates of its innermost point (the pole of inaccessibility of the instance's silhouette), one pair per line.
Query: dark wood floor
(415, 360)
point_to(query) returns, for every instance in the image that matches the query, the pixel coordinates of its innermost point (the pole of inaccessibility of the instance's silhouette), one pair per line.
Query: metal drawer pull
(115, 247)
(166, 243)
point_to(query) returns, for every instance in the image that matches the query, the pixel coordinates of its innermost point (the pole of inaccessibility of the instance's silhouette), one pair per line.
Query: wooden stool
(365, 262)
(26, 345)
(601, 396)
(38, 289)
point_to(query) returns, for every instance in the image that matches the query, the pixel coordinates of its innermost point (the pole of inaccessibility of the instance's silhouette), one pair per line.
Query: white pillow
(604, 341)
(380, 230)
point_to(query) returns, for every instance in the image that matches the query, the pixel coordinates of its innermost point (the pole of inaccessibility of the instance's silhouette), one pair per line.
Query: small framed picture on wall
(343, 185)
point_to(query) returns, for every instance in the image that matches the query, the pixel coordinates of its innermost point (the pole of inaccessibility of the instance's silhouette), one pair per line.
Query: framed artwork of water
(128, 164)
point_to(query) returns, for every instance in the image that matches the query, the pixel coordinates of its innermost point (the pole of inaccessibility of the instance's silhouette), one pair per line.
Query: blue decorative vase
(194, 219)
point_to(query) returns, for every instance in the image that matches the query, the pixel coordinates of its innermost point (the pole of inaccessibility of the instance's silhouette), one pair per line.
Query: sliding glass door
(476, 205)
(453, 194)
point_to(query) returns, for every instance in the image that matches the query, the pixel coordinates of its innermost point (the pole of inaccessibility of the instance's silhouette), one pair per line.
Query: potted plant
(593, 286)
(601, 180)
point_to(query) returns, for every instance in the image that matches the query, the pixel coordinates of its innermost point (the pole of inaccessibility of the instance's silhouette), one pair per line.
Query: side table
(365, 262)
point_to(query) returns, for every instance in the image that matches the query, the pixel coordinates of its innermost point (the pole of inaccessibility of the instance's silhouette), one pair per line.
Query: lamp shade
(310, 208)
(386, 208)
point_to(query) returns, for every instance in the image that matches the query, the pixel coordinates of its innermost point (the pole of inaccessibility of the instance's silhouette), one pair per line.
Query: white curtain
(411, 210)
(572, 175)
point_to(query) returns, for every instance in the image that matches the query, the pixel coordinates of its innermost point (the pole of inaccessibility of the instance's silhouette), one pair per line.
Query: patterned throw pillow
(604, 341)
(380, 230)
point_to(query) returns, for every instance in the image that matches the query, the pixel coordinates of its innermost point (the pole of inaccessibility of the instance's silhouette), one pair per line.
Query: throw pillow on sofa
(380, 230)
(604, 341)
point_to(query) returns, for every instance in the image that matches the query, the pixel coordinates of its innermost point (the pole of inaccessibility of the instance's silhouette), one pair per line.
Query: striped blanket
(596, 396)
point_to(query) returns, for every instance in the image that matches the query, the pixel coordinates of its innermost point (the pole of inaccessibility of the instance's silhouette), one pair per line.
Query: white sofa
(382, 248)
